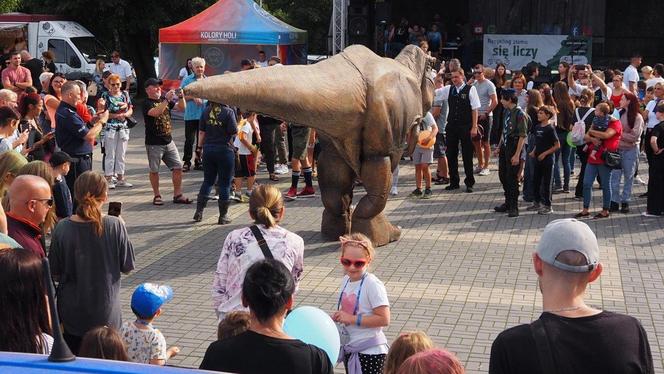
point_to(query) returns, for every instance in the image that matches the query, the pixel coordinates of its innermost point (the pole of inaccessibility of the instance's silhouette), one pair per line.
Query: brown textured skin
(363, 106)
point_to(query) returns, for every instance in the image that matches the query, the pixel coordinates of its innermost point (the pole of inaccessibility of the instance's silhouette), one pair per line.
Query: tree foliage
(310, 15)
(7, 6)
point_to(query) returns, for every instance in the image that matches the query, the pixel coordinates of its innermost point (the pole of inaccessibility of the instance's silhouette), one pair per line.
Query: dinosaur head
(414, 58)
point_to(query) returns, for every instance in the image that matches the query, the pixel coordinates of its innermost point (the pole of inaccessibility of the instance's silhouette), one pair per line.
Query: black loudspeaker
(358, 22)
(383, 13)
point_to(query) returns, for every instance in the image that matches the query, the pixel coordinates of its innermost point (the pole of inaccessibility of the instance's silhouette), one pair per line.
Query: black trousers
(268, 139)
(542, 179)
(190, 136)
(80, 165)
(454, 137)
(509, 177)
(655, 203)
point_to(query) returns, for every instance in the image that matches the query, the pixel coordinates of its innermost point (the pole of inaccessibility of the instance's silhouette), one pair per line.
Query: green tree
(310, 15)
(7, 6)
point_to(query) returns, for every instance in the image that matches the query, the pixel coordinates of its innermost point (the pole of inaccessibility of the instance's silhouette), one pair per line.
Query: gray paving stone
(460, 272)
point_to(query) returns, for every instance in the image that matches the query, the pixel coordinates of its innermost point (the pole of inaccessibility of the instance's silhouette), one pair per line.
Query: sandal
(274, 178)
(157, 200)
(582, 215)
(180, 199)
(601, 215)
(186, 167)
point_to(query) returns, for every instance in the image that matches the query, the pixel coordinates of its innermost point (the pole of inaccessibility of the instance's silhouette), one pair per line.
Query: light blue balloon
(313, 326)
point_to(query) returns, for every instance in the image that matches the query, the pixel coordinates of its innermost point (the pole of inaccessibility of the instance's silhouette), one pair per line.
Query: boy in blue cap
(144, 343)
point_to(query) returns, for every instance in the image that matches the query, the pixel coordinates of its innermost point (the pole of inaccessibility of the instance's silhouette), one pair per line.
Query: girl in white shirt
(362, 309)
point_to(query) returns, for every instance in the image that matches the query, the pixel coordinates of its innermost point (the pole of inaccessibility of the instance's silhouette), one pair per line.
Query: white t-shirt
(653, 81)
(122, 68)
(652, 119)
(262, 64)
(143, 345)
(578, 88)
(249, 132)
(472, 95)
(48, 340)
(530, 85)
(630, 75)
(372, 295)
(183, 73)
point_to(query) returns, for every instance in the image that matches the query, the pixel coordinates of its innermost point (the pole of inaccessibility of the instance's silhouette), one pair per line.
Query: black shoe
(201, 202)
(624, 208)
(513, 213)
(223, 212)
(469, 189)
(452, 187)
(442, 180)
(416, 193)
(501, 208)
(614, 207)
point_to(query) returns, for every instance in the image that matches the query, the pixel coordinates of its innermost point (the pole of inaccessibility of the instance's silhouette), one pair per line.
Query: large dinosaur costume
(362, 105)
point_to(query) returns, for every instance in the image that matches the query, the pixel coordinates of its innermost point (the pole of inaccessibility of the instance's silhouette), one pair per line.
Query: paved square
(460, 273)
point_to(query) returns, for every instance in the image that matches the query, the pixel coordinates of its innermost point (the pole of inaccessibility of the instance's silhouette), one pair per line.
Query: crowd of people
(48, 187)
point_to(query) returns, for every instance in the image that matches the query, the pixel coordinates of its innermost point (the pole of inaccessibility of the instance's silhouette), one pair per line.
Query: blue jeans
(588, 179)
(562, 157)
(629, 158)
(218, 164)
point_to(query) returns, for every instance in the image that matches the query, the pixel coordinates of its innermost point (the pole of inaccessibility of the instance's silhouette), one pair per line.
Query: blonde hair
(266, 205)
(90, 189)
(359, 240)
(42, 169)
(10, 163)
(197, 61)
(404, 346)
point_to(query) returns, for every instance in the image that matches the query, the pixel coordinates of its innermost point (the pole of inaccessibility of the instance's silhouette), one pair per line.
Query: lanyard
(359, 292)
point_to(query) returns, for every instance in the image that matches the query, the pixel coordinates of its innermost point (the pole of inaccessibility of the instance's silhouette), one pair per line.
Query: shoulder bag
(261, 242)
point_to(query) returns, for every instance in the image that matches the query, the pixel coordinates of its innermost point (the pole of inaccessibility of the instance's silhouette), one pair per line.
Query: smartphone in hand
(114, 208)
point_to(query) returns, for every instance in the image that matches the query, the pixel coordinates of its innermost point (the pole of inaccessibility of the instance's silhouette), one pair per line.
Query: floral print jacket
(240, 251)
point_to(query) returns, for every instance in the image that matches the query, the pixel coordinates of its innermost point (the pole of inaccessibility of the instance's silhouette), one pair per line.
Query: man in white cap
(570, 336)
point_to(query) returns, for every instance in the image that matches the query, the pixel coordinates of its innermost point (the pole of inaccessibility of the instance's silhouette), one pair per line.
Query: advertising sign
(516, 51)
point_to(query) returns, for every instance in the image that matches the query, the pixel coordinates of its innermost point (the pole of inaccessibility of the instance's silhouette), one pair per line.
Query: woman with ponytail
(89, 252)
(241, 249)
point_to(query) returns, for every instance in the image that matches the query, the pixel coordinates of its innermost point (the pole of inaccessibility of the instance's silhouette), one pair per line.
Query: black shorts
(440, 146)
(245, 166)
(486, 125)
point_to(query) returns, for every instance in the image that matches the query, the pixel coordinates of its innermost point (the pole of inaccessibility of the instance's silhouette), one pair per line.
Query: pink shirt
(18, 75)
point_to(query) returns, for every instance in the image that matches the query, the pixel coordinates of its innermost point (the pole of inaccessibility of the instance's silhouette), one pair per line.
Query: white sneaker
(640, 180)
(281, 169)
(394, 191)
(123, 183)
(646, 214)
(485, 172)
(213, 197)
(111, 185)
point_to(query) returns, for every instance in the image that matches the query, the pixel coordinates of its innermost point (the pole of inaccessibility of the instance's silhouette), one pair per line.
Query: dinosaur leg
(368, 217)
(335, 180)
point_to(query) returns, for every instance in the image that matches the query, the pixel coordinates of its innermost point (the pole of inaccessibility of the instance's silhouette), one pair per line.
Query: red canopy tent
(224, 34)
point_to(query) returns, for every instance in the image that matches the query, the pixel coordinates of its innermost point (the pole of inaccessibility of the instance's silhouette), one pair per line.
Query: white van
(75, 48)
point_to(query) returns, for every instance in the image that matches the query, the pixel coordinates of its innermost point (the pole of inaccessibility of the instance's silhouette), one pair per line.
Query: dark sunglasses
(49, 201)
(357, 264)
(115, 84)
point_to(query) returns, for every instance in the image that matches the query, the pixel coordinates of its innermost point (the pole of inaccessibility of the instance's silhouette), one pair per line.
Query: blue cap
(149, 297)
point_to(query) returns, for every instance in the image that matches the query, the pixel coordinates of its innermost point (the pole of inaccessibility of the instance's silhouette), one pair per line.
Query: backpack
(579, 128)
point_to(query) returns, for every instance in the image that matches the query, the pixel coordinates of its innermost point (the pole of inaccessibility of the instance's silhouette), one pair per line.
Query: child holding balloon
(362, 310)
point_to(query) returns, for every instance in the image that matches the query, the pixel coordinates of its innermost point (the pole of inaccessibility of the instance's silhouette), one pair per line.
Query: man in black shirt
(36, 67)
(267, 291)
(159, 141)
(571, 337)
